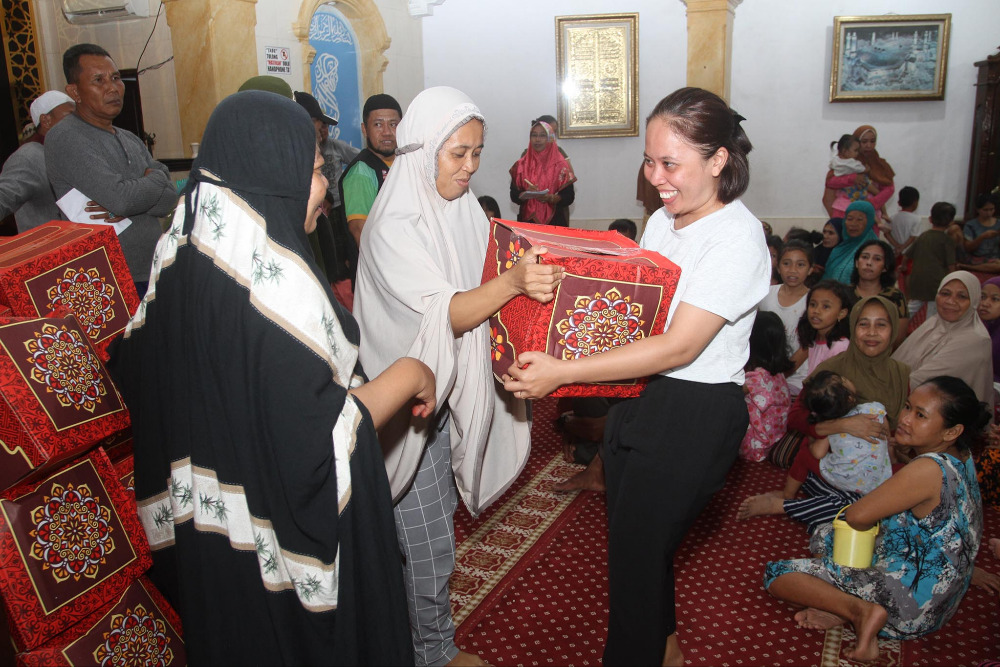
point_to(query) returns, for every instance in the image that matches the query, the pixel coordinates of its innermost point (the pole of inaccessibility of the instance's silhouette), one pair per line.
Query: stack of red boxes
(69, 265)
(73, 551)
(613, 293)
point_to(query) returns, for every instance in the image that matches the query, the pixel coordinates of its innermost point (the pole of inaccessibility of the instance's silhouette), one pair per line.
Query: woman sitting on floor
(859, 226)
(875, 275)
(833, 230)
(982, 236)
(930, 521)
(867, 363)
(954, 341)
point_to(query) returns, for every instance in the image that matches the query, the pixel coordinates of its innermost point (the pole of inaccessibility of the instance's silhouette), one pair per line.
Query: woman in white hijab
(953, 342)
(418, 294)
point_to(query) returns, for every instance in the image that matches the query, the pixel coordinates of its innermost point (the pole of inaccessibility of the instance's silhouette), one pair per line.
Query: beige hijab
(878, 378)
(417, 251)
(962, 349)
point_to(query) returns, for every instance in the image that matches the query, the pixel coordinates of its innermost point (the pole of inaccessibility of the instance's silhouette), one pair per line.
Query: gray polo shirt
(25, 189)
(109, 168)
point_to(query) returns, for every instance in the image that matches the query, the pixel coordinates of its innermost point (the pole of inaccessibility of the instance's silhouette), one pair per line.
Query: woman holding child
(878, 176)
(657, 483)
(930, 517)
(876, 376)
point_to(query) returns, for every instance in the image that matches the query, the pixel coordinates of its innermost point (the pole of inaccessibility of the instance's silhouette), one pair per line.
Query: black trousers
(665, 455)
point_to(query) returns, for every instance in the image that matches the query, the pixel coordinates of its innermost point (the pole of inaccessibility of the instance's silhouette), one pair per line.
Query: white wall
(403, 77)
(502, 54)
(781, 76)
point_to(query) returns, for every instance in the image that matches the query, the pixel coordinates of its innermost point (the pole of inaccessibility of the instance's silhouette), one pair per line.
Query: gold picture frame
(597, 62)
(889, 58)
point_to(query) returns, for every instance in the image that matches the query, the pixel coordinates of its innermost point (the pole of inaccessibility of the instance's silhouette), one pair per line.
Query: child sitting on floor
(764, 389)
(845, 461)
(788, 301)
(824, 329)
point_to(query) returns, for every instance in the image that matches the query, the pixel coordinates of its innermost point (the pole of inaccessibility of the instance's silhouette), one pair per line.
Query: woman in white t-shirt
(668, 451)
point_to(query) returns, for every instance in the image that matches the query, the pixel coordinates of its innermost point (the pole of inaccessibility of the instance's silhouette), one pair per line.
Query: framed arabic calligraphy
(597, 59)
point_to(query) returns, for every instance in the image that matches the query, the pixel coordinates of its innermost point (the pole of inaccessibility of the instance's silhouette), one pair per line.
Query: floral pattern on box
(138, 629)
(69, 265)
(88, 294)
(63, 363)
(598, 323)
(56, 398)
(72, 533)
(68, 545)
(613, 293)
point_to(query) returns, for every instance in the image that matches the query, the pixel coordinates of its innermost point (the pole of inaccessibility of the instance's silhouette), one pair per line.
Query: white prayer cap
(46, 102)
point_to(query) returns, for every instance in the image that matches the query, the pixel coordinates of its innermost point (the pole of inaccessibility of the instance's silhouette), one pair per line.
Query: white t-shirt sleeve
(719, 285)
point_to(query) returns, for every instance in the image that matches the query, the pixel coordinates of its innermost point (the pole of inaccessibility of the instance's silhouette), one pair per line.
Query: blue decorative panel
(336, 78)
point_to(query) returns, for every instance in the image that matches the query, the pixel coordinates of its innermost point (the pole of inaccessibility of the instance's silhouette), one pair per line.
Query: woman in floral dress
(930, 520)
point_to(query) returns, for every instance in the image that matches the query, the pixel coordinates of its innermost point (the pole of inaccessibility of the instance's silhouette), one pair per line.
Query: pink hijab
(541, 170)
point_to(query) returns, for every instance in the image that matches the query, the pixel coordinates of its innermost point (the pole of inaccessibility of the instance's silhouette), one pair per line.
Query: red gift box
(612, 293)
(125, 467)
(118, 446)
(69, 545)
(72, 265)
(139, 628)
(56, 398)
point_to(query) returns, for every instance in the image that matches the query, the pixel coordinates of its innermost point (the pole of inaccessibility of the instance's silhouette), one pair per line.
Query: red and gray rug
(530, 586)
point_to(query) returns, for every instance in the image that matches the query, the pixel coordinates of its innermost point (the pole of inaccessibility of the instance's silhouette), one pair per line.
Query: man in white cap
(24, 185)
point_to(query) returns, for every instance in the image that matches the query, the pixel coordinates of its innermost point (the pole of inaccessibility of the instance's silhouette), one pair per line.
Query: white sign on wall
(278, 60)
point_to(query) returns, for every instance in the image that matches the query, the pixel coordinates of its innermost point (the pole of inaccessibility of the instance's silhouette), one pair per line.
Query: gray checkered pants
(427, 540)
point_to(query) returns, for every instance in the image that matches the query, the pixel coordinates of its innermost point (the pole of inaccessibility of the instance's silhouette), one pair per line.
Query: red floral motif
(600, 323)
(64, 363)
(88, 295)
(72, 534)
(514, 253)
(497, 344)
(136, 638)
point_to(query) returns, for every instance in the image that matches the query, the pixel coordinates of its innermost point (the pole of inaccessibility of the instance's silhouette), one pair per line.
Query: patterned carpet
(531, 581)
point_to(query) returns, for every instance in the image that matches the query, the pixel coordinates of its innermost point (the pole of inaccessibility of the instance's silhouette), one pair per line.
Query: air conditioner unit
(103, 11)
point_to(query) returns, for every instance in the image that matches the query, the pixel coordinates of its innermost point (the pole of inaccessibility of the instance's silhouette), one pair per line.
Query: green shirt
(932, 253)
(360, 189)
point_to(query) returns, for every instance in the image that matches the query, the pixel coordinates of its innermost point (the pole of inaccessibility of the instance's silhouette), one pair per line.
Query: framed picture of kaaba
(889, 58)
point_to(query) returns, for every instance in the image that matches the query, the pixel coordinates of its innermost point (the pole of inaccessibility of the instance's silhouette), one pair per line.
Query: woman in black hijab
(259, 477)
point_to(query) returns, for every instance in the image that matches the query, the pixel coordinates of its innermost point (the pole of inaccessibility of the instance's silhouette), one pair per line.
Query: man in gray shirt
(109, 165)
(24, 185)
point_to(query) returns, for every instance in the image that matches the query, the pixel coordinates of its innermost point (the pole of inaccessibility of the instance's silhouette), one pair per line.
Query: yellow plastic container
(852, 548)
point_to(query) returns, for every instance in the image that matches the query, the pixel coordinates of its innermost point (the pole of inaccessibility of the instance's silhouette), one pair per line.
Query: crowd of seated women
(914, 382)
